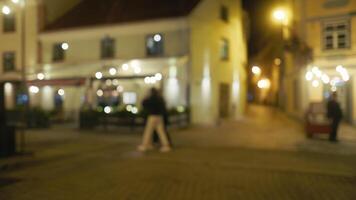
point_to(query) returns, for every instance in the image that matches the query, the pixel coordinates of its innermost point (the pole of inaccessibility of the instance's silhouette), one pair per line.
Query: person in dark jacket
(155, 107)
(334, 113)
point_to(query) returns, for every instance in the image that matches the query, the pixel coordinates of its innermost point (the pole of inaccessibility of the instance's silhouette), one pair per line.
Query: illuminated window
(108, 47)
(224, 49)
(9, 23)
(9, 61)
(336, 35)
(58, 52)
(130, 98)
(154, 45)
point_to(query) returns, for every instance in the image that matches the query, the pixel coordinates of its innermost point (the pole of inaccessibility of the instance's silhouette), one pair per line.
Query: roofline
(149, 26)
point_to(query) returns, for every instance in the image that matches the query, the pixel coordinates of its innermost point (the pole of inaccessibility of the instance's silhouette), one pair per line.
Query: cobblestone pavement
(264, 156)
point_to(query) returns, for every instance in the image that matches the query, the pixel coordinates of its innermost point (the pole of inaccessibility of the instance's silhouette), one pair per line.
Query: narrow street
(263, 156)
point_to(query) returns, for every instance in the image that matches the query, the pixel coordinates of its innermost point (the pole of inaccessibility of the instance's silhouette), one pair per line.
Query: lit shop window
(130, 98)
(154, 45)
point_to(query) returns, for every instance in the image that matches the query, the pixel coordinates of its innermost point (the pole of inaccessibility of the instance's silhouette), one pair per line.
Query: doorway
(224, 100)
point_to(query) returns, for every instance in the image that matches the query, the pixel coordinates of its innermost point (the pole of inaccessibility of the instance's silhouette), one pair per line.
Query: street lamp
(256, 70)
(280, 15)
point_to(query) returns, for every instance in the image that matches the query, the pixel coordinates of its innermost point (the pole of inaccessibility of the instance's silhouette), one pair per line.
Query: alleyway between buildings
(263, 156)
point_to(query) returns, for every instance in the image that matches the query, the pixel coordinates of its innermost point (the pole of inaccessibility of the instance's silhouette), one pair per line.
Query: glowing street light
(264, 84)
(98, 75)
(65, 46)
(125, 67)
(256, 70)
(40, 76)
(6, 10)
(112, 71)
(15, 1)
(157, 38)
(315, 83)
(34, 89)
(309, 76)
(280, 15)
(61, 92)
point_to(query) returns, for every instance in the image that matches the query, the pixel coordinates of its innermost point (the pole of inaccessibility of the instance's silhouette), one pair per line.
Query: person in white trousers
(155, 107)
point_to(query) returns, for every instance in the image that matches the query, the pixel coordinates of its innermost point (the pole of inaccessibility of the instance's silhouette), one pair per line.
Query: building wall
(208, 71)
(12, 41)
(130, 44)
(316, 13)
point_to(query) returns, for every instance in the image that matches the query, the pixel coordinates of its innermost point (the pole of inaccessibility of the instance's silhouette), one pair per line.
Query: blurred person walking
(334, 113)
(155, 107)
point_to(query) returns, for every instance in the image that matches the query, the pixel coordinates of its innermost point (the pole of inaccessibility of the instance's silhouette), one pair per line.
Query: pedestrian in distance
(334, 113)
(155, 107)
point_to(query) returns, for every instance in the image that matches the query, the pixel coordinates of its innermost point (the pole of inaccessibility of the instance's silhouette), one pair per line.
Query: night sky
(262, 30)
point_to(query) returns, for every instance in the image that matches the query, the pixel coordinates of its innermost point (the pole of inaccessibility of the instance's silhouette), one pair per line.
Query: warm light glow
(61, 92)
(309, 76)
(280, 15)
(277, 61)
(325, 78)
(120, 88)
(339, 68)
(108, 82)
(112, 71)
(125, 67)
(264, 84)
(333, 88)
(100, 93)
(158, 76)
(115, 82)
(129, 108)
(134, 110)
(315, 83)
(343, 72)
(15, 1)
(6, 10)
(98, 75)
(65, 46)
(157, 38)
(107, 110)
(137, 70)
(181, 109)
(256, 70)
(317, 72)
(34, 89)
(40, 76)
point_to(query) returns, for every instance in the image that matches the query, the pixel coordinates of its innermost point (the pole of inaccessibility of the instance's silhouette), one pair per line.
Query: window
(336, 35)
(224, 13)
(224, 49)
(9, 23)
(107, 47)
(154, 45)
(130, 98)
(58, 52)
(9, 61)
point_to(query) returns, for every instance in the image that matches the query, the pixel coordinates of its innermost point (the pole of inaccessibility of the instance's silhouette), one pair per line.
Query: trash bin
(7, 141)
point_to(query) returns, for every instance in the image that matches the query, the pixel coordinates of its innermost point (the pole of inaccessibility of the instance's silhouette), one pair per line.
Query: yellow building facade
(328, 27)
(202, 63)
